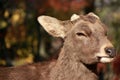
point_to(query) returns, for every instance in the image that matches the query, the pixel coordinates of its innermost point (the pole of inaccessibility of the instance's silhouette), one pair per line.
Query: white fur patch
(92, 14)
(106, 59)
(74, 17)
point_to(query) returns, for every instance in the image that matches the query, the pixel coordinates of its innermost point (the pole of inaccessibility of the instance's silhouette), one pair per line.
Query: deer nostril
(111, 52)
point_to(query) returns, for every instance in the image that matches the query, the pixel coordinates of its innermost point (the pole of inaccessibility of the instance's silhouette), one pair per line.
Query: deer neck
(69, 69)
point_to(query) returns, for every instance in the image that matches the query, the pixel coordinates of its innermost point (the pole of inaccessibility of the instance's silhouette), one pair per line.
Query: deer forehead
(95, 28)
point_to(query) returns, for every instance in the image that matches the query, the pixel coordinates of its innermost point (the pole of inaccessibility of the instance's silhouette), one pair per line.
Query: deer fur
(84, 46)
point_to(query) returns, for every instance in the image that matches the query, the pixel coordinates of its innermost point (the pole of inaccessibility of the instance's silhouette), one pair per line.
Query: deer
(85, 44)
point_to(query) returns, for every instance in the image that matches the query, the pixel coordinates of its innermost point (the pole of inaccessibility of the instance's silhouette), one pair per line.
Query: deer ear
(52, 25)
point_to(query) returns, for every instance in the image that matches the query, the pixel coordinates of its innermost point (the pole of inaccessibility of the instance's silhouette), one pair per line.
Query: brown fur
(83, 38)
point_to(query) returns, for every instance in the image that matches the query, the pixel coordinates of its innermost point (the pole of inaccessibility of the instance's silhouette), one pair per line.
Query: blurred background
(23, 40)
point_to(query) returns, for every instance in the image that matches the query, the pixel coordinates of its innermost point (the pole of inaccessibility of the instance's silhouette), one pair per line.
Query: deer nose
(111, 52)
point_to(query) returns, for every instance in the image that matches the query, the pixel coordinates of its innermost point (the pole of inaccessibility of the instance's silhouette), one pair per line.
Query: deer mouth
(104, 59)
(101, 59)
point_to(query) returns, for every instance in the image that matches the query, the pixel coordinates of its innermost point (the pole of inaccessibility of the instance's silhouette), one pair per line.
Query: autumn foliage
(116, 67)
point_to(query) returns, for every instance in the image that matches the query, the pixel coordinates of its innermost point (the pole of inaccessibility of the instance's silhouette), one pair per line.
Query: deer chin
(105, 59)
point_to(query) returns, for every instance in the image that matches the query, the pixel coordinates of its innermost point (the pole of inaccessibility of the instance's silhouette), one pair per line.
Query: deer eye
(81, 34)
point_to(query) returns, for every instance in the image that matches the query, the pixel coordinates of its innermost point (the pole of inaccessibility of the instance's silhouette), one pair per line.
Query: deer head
(85, 37)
